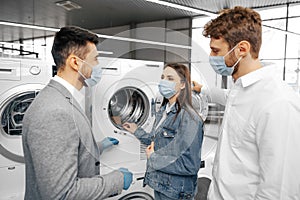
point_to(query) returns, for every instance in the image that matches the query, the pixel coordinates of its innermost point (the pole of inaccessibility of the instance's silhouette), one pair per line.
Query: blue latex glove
(127, 177)
(108, 142)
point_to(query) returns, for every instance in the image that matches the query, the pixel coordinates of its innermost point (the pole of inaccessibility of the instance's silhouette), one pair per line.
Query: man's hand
(108, 142)
(196, 86)
(127, 177)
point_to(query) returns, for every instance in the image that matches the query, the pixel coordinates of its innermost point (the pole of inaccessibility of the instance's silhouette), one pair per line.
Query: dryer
(20, 80)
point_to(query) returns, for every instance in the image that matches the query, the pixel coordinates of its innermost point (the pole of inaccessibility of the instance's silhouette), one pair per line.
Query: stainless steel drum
(13, 112)
(128, 104)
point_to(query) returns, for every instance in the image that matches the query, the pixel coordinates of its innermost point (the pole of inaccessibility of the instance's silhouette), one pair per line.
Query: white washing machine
(20, 80)
(127, 92)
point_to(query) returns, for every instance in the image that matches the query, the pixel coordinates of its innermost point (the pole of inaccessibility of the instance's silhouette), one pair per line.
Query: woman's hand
(131, 127)
(150, 149)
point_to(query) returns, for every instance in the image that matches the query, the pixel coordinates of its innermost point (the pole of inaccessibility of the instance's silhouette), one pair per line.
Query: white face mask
(95, 75)
(219, 65)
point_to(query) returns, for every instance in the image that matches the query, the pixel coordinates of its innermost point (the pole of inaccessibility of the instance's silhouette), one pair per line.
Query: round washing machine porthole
(13, 105)
(13, 111)
(128, 104)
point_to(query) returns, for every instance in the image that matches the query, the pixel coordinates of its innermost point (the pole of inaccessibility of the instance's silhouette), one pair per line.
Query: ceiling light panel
(68, 5)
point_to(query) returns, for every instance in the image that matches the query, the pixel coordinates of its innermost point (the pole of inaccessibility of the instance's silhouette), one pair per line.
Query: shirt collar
(169, 107)
(75, 93)
(255, 76)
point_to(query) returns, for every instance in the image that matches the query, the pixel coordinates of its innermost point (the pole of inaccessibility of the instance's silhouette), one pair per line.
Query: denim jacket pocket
(168, 132)
(167, 135)
(164, 137)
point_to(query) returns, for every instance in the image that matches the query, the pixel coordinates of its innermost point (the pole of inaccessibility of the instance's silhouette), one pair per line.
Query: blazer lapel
(76, 105)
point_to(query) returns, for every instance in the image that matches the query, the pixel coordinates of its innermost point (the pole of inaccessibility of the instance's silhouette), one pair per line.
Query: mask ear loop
(82, 75)
(79, 72)
(237, 62)
(230, 50)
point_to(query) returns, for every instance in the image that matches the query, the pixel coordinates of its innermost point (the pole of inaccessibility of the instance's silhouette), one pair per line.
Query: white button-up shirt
(258, 149)
(75, 93)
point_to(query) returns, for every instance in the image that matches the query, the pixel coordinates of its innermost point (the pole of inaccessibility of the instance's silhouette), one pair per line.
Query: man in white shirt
(257, 154)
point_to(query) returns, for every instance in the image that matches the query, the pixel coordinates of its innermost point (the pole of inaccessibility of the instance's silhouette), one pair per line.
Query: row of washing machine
(127, 92)
(20, 80)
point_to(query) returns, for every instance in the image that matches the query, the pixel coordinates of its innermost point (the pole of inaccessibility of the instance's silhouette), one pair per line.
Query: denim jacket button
(165, 134)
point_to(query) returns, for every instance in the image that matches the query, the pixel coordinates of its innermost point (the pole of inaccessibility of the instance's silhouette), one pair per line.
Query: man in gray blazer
(61, 155)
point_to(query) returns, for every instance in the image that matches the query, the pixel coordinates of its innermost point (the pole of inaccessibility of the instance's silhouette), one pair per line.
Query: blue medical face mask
(95, 75)
(167, 88)
(219, 65)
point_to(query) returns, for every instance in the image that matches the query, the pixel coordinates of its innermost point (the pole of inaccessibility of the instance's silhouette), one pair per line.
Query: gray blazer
(61, 155)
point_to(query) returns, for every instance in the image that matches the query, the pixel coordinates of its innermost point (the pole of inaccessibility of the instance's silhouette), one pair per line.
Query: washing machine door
(13, 105)
(199, 100)
(200, 104)
(128, 104)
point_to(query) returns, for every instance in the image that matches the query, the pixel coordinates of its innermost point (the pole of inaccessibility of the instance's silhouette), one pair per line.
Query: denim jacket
(173, 166)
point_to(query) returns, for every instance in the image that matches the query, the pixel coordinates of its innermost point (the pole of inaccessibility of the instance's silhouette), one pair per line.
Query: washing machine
(128, 92)
(20, 80)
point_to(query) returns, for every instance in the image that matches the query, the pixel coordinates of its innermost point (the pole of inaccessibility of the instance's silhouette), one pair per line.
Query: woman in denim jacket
(174, 151)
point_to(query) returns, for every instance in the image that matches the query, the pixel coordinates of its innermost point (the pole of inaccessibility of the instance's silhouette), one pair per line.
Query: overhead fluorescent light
(106, 52)
(173, 5)
(144, 41)
(30, 45)
(29, 26)
(99, 35)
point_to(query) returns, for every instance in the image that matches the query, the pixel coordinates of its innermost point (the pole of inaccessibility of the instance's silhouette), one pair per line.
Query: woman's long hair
(185, 97)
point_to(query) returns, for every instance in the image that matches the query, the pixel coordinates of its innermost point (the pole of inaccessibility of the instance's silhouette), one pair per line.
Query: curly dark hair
(235, 25)
(70, 40)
